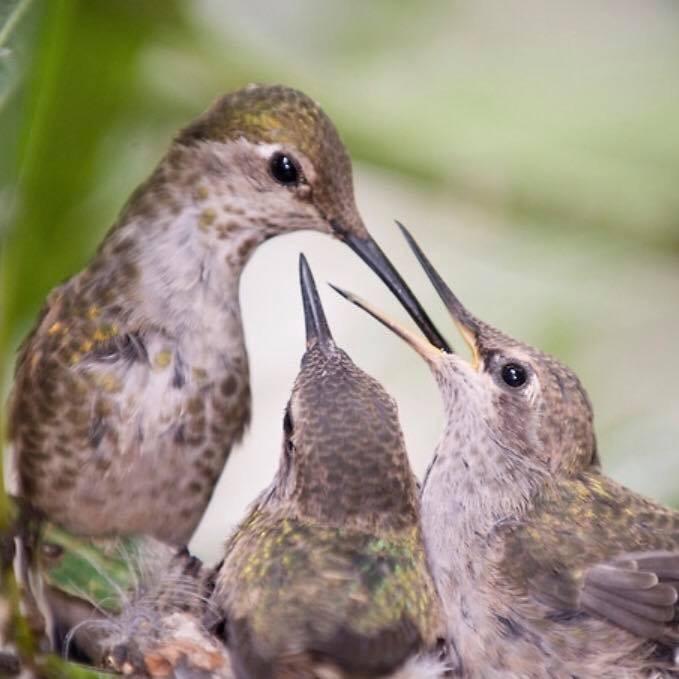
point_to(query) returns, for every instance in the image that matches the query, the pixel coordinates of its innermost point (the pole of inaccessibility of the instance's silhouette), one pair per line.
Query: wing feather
(592, 547)
(633, 591)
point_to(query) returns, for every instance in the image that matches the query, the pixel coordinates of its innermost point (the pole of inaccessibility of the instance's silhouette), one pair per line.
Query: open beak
(317, 330)
(371, 253)
(467, 324)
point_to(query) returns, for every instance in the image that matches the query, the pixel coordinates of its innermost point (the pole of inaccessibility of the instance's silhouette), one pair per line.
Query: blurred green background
(532, 147)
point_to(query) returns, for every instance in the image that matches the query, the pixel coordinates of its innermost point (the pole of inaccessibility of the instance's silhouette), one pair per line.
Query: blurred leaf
(52, 667)
(82, 82)
(10, 15)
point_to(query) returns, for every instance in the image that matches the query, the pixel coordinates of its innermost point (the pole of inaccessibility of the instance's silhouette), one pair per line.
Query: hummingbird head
(344, 460)
(262, 161)
(511, 403)
(289, 155)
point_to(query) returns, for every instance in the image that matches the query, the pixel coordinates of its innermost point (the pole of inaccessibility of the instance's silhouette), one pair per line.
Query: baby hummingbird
(327, 575)
(545, 567)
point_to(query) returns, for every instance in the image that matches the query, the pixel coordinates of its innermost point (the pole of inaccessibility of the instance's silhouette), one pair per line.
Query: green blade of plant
(53, 667)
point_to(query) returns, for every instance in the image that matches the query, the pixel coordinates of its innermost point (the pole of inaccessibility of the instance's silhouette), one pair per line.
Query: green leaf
(98, 571)
(52, 667)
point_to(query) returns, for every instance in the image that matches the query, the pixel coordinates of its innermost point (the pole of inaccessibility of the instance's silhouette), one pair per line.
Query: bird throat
(183, 277)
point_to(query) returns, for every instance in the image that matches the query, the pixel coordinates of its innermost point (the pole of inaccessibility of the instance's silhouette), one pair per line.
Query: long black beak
(317, 330)
(371, 253)
(460, 315)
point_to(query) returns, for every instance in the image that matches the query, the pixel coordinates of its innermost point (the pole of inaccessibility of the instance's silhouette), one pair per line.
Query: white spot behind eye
(267, 150)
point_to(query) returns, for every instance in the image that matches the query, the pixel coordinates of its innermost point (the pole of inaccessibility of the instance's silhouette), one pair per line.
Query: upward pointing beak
(469, 327)
(371, 253)
(317, 330)
(466, 323)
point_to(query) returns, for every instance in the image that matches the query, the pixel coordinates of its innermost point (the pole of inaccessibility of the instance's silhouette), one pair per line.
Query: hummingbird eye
(514, 375)
(284, 169)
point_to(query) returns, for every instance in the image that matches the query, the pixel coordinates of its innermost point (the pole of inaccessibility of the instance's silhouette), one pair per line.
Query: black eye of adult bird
(284, 169)
(514, 375)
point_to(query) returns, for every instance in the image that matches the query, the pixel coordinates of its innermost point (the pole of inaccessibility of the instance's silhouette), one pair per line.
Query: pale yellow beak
(428, 351)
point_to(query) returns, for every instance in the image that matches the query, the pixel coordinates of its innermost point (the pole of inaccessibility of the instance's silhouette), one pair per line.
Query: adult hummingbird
(327, 575)
(545, 566)
(133, 387)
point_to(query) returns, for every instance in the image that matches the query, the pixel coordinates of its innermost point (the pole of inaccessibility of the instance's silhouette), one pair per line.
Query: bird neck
(359, 508)
(381, 500)
(176, 275)
(470, 487)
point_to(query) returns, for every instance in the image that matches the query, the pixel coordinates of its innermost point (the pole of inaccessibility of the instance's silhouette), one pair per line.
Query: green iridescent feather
(369, 582)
